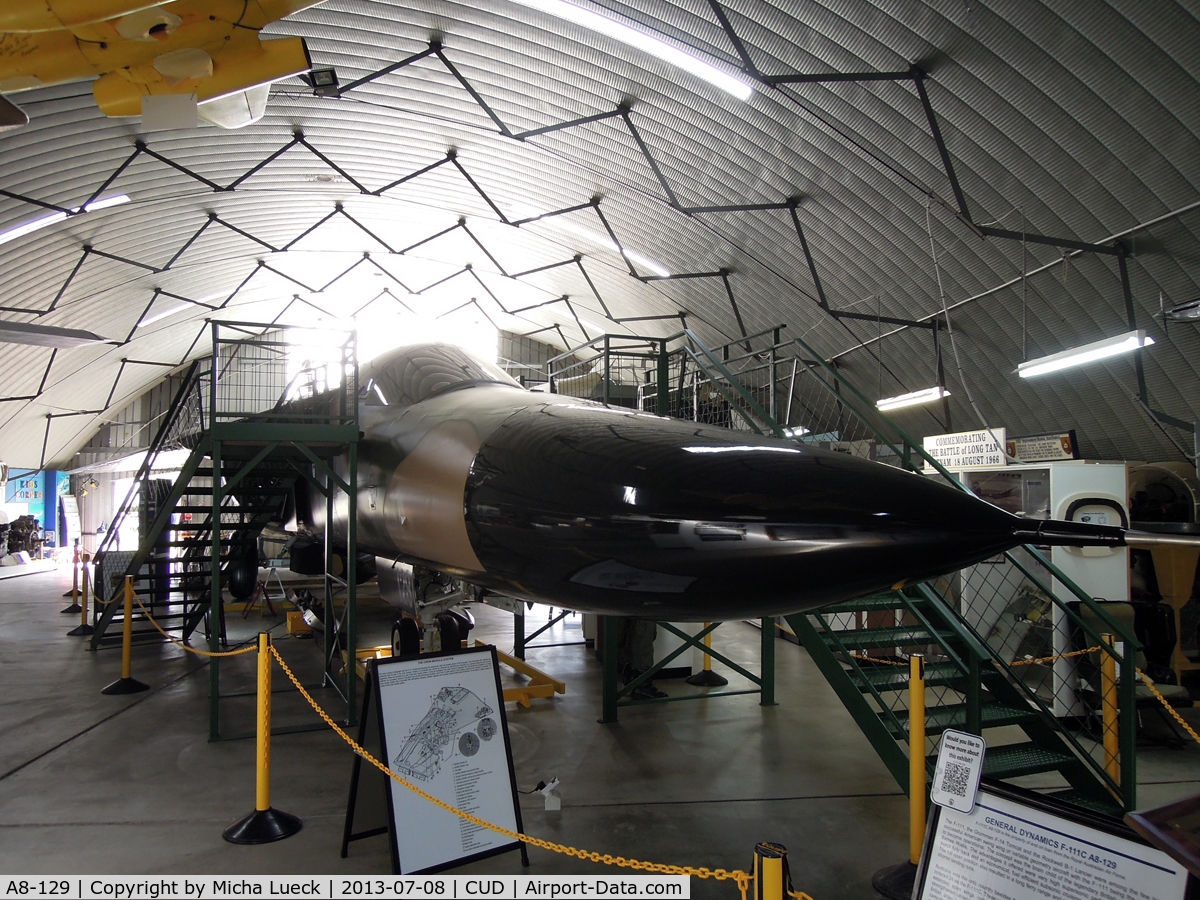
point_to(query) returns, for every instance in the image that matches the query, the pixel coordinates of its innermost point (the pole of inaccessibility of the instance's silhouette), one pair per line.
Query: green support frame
(615, 696)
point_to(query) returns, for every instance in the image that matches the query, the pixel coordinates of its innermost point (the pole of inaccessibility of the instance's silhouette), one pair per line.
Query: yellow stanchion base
(81, 630)
(263, 826)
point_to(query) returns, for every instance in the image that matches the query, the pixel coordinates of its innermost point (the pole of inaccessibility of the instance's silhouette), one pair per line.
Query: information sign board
(1017, 845)
(959, 768)
(443, 728)
(968, 449)
(1049, 447)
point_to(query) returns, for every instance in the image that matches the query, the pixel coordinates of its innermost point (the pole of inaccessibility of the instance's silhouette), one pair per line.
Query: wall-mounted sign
(1049, 447)
(968, 449)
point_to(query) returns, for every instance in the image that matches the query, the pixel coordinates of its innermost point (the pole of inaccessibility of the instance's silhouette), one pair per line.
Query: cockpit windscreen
(414, 373)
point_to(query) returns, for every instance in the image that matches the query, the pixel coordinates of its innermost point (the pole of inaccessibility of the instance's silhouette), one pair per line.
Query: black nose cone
(637, 515)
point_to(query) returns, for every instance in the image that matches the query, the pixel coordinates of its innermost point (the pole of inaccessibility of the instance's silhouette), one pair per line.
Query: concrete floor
(131, 785)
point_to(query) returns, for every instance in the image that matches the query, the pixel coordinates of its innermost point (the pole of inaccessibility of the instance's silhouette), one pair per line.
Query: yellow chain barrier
(1163, 700)
(1030, 662)
(742, 878)
(250, 649)
(879, 659)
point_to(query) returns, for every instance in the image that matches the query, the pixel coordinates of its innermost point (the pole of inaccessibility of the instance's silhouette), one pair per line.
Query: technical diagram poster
(443, 729)
(1009, 849)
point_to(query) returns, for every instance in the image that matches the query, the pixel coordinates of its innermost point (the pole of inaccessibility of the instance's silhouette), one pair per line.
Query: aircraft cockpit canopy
(417, 372)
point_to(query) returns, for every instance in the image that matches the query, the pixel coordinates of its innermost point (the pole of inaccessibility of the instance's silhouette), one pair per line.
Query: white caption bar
(438, 887)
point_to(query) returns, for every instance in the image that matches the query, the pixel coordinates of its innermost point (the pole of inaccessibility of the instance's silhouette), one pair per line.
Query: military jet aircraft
(469, 482)
(135, 49)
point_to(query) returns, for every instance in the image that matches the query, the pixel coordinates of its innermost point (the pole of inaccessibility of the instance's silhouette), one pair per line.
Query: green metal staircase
(967, 689)
(172, 568)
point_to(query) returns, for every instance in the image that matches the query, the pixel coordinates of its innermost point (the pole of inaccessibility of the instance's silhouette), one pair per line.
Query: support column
(214, 608)
(767, 676)
(611, 628)
(519, 634)
(351, 586)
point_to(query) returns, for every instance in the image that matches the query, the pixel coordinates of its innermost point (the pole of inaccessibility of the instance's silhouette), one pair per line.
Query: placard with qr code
(959, 767)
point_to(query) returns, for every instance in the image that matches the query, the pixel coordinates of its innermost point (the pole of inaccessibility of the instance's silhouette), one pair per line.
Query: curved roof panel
(1073, 121)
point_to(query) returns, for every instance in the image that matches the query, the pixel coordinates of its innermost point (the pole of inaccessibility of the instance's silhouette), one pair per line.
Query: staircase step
(876, 638)
(940, 718)
(876, 603)
(1013, 760)
(1078, 798)
(895, 678)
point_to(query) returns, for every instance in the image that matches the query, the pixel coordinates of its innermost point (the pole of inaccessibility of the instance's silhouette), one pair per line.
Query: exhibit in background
(967, 449)
(1052, 446)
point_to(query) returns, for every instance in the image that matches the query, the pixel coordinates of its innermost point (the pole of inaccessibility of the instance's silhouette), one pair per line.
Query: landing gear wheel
(406, 638)
(450, 631)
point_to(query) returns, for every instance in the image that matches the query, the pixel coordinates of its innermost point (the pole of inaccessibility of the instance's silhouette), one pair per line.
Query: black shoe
(647, 691)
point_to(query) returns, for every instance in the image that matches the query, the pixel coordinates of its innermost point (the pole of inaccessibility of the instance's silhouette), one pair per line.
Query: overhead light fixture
(46, 335)
(644, 42)
(45, 221)
(926, 396)
(324, 82)
(795, 432)
(567, 225)
(1114, 346)
(150, 320)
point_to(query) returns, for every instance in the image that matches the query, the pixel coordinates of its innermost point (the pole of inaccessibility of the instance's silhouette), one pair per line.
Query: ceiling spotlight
(926, 396)
(1122, 343)
(324, 82)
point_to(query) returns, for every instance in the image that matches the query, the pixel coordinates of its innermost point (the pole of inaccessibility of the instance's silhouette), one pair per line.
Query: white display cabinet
(1006, 607)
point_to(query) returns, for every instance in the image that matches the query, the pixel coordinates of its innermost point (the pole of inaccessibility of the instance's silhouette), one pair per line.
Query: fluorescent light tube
(1122, 343)
(567, 225)
(45, 221)
(644, 42)
(926, 396)
(150, 320)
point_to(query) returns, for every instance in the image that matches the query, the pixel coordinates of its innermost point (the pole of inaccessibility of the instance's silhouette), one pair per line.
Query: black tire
(406, 638)
(450, 630)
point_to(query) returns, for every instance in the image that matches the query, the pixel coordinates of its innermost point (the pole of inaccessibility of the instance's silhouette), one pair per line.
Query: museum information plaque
(443, 729)
(1008, 850)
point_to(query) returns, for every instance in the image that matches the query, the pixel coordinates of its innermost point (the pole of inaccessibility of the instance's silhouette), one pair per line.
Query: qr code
(954, 779)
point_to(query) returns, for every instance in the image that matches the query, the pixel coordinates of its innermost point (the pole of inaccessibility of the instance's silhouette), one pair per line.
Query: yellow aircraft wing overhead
(209, 48)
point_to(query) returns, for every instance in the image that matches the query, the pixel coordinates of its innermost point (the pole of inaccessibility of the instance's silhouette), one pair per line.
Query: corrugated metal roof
(1071, 119)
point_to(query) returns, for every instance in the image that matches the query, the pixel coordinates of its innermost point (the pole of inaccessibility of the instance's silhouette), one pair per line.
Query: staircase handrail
(762, 414)
(911, 445)
(152, 452)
